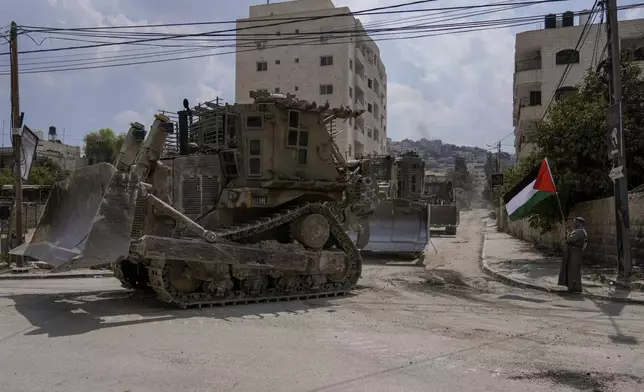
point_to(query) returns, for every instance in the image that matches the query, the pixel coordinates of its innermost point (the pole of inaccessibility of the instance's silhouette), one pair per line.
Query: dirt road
(440, 327)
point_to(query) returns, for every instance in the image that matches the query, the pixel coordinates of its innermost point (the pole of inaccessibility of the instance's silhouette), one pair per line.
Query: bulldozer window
(254, 157)
(255, 122)
(230, 163)
(293, 119)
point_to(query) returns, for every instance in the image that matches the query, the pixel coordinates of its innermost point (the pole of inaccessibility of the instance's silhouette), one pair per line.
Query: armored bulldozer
(399, 220)
(227, 204)
(444, 210)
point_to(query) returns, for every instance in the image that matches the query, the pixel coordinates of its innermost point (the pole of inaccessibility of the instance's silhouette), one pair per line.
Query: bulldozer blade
(397, 225)
(446, 215)
(87, 219)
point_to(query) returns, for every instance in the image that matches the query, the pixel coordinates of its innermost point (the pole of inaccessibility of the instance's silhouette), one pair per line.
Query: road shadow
(70, 314)
(391, 259)
(613, 310)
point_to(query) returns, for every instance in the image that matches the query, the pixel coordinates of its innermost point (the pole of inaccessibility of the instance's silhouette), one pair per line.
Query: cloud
(124, 118)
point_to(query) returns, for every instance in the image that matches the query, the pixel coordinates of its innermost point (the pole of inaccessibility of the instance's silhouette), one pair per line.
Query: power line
(456, 28)
(378, 23)
(312, 43)
(372, 11)
(289, 20)
(580, 42)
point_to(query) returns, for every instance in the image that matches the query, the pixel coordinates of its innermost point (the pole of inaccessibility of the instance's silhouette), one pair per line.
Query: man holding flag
(520, 202)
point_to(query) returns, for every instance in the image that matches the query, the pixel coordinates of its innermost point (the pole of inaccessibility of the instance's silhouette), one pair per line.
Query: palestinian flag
(534, 188)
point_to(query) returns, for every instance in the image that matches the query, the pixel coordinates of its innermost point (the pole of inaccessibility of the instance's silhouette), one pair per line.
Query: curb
(10, 276)
(523, 284)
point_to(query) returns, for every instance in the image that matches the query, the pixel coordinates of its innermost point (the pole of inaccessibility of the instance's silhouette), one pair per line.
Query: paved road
(407, 328)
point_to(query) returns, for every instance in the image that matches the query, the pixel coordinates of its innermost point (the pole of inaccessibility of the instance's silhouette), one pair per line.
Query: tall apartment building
(325, 56)
(541, 57)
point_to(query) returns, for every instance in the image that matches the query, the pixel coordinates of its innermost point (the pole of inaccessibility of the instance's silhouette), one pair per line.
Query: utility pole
(616, 130)
(16, 124)
(498, 157)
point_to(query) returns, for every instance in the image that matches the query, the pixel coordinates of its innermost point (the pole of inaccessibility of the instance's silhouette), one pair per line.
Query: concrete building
(66, 156)
(326, 59)
(541, 57)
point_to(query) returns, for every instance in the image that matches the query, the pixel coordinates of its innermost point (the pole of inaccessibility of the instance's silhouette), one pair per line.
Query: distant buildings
(66, 156)
(309, 60)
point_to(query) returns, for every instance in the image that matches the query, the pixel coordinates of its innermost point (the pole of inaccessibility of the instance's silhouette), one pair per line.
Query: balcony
(527, 71)
(530, 113)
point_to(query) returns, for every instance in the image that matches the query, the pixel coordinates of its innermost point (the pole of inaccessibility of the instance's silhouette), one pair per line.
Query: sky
(457, 87)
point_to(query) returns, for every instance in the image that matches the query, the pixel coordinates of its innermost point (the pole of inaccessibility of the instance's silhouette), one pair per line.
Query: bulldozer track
(304, 288)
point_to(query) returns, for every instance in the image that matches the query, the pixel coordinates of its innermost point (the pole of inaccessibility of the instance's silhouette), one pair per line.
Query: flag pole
(563, 217)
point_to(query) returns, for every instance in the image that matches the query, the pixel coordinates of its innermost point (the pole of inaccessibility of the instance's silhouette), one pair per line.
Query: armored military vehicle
(229, 204)
(444, 210)
(399, 221)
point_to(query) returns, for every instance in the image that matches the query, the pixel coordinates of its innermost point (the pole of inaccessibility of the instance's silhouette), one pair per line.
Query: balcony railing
(528, 64)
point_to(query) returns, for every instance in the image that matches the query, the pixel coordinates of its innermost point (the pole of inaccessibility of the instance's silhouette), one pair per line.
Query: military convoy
(247, 202)
(227, 204)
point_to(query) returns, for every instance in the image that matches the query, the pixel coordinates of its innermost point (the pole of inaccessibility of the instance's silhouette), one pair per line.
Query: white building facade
(541, 56)
(330, 58)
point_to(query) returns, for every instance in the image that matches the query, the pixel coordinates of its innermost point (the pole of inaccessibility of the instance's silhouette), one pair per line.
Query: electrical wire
(289, 20)
(245, 28)
(372, 11)
(311, 43)
(563, 77)
(580, 42)
(456, 28)
(370, 24)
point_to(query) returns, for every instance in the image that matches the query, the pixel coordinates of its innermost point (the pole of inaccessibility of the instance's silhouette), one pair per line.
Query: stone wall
(600, 221)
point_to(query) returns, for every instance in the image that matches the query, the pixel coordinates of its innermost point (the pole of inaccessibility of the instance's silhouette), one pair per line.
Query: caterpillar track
(238, 284)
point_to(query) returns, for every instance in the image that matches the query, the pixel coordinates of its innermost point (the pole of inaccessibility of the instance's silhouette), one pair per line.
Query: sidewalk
(518, 263)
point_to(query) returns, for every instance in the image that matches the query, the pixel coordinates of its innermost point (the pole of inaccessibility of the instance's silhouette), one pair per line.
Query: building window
(369, 132)
(369, 108)
(375, 134)
(567, 56)
(297, 138)
(255, 122)
(351, 64)
(326, 89)
(326, 60)
(277, 89)
(535, 98)
(297, 60)
(297, 31)
(254, 157)
(369, 83)
(277, 62)
(563, 91)
(350, 92)
(350, 122)
(297, 88)
(262, 66)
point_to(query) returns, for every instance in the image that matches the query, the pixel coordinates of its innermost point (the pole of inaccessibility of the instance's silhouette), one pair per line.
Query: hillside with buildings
(439, 156)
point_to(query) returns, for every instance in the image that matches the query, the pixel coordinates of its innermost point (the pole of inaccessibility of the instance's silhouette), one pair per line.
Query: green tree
(46, 172)
(573, 138)
(6, 177)
(103, 145)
